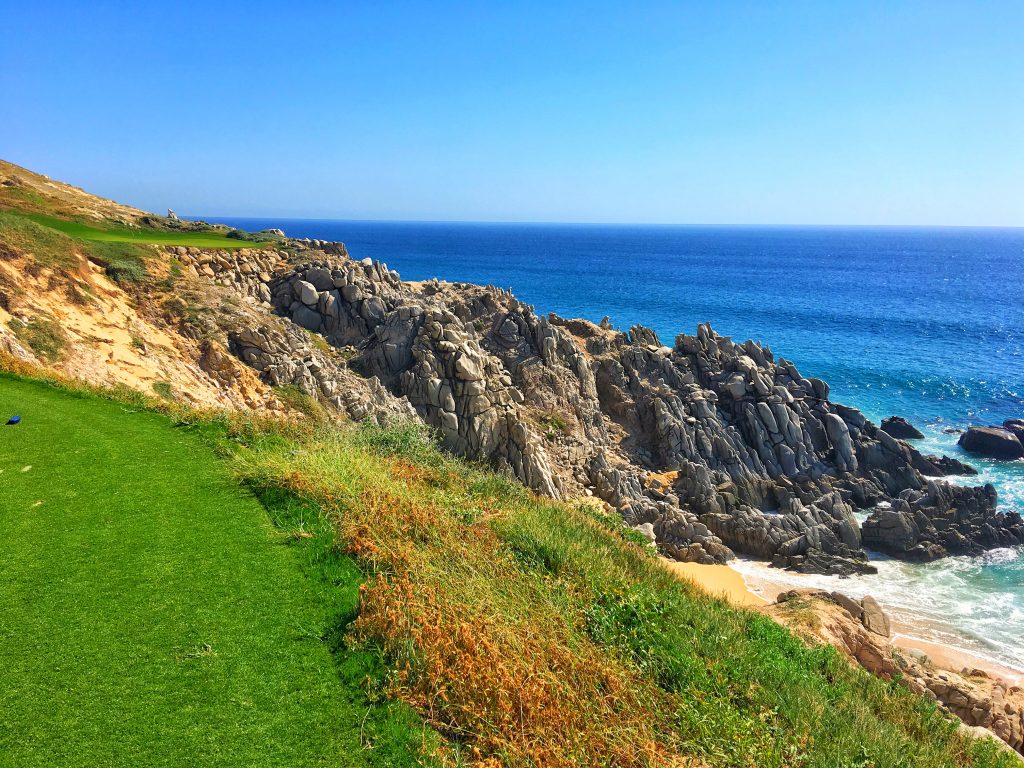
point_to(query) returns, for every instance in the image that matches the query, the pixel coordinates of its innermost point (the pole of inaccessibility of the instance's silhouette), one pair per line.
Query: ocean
(925, 323)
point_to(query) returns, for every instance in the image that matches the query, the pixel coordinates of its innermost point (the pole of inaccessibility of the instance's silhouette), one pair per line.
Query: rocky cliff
(709, 446)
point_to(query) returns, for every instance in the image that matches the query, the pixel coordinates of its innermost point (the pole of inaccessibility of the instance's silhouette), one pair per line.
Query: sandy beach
(718, 580)
(956, 659)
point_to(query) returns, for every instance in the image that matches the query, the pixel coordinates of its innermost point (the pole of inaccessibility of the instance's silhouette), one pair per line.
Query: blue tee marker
(13, 420)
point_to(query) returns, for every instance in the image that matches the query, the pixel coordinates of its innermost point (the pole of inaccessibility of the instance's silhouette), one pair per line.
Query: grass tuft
(43, 335)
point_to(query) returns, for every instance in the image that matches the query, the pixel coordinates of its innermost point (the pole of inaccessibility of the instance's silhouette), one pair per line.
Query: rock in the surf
(939, 466)
(1017, 427)
(992, 442)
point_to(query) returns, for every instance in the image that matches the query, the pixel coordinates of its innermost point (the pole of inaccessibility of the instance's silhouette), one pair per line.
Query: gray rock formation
(992, 442)
(714, 446)
(941, 466)
(941, 520)
(246, 270)
(285, 356)
(900, 428)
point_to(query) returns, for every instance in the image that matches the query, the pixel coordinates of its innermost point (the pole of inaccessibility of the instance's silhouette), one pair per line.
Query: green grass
(141, 235)
(153, 615)
(50, 248)
(55, 249)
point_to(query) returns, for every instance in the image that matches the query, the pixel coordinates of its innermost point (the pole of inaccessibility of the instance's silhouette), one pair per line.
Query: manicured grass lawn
(141, 235)
(151, 614)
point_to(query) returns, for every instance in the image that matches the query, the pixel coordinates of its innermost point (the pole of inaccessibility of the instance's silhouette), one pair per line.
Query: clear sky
(693, 113)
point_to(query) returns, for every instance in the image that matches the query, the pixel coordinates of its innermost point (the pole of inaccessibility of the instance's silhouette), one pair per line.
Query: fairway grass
(153, 615)
(141, 235)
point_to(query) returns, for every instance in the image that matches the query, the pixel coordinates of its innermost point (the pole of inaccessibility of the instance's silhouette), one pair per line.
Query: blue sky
(690, 113)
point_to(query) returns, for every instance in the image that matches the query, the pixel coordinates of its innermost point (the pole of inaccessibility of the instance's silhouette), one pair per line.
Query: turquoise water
(921, 322)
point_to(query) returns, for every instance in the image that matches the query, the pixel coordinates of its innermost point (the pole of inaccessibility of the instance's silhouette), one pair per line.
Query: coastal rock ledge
(716, 446)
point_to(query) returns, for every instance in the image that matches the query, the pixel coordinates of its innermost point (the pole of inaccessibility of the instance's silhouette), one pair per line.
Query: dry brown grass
(535, 634)
(499, 670)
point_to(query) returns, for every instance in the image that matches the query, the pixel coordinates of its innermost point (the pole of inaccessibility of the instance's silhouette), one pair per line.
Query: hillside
(524, 628)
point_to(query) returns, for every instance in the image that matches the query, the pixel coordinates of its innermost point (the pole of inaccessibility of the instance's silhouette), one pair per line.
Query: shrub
(43, 335)
(123, 262)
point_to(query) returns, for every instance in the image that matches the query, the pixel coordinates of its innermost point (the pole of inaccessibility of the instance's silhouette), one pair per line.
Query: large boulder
(874, 617)
(992, 442)
(900, 428)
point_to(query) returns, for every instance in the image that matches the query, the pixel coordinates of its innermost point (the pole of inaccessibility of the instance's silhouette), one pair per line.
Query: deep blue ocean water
(926, 323)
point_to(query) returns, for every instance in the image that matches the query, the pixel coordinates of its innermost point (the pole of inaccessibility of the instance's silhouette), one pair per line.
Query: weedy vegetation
(42, 334)
(535, 633)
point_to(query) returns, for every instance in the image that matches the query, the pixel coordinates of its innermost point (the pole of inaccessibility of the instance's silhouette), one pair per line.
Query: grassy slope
(31, 222)
(541, 635)
(153, 616)
(529, 632)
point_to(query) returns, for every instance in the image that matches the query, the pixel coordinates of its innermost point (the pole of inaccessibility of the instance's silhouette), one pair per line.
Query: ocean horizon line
(212, 218)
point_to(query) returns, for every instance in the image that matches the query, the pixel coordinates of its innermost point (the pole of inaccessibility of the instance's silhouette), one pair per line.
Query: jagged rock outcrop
(941, 520)
(942, 466)
(247, 270)
(714, 446)
(285, 356)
